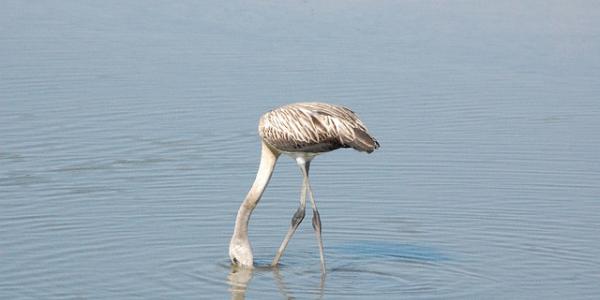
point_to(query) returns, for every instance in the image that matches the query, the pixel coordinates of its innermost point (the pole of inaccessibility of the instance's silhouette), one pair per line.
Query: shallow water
(128, 140)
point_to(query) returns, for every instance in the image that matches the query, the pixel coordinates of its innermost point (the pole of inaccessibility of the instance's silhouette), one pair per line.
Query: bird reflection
(239, 279)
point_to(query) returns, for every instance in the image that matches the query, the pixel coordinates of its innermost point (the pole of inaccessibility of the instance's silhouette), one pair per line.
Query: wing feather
(315, 127)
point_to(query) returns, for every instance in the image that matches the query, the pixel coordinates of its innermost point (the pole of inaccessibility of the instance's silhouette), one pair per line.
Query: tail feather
(363, 141)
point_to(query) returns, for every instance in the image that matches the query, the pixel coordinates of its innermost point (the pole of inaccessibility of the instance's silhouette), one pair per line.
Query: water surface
(128, 140)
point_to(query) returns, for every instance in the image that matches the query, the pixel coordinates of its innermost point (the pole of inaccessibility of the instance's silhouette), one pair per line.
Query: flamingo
(301, 131)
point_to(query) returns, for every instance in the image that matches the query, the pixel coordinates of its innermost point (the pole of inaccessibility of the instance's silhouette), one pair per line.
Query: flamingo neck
(265, 170)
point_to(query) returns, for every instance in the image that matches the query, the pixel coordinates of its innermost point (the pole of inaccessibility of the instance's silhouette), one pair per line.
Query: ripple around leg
(400, 269)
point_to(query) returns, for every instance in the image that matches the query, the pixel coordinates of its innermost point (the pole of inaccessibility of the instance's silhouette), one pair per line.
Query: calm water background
(128, 140)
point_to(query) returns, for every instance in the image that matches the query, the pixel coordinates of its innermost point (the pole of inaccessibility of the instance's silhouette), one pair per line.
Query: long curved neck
(265, 170)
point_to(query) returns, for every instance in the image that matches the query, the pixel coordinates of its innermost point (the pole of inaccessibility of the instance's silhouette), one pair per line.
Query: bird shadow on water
(389, 251)
(351, 252)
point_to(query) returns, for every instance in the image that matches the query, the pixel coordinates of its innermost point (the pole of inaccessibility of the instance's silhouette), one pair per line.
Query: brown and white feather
(314, 128)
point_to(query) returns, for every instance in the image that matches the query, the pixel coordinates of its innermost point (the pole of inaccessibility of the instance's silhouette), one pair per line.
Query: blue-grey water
(128, 141)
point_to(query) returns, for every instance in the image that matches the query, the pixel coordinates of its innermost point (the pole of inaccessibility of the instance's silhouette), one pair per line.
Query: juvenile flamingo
(302, 131)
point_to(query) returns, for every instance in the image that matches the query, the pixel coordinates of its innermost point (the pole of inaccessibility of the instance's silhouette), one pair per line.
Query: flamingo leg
(316, 223)
(296, 220)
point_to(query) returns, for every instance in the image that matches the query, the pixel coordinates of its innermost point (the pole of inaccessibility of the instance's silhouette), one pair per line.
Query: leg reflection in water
(239, 279)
